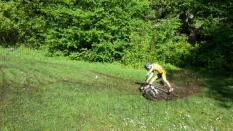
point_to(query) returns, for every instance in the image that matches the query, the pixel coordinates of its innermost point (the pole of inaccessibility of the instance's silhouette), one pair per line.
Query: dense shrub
(8, 31)
(128, 31)
(94, 30)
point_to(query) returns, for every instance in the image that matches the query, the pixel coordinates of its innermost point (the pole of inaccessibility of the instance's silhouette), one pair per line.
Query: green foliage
(175, 53)
(170, 46)
(8, 31)
(216, 51)
(99, 33)
(166, 30)
(128, 31)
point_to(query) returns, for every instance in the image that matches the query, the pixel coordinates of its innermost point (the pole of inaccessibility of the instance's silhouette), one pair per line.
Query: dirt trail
(185, 83)
(184, 92)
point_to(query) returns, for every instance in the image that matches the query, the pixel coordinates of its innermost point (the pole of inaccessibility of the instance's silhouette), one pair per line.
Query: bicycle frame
(160, 88)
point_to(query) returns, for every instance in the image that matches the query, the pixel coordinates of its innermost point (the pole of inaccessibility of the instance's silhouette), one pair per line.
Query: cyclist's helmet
(147, 66)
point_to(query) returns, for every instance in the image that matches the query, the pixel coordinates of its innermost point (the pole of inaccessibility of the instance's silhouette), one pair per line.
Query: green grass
(54, 93)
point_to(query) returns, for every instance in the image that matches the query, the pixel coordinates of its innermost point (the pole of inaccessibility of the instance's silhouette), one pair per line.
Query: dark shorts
(159, 75)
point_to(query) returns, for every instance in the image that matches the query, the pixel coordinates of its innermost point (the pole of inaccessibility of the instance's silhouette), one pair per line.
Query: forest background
(184, 33)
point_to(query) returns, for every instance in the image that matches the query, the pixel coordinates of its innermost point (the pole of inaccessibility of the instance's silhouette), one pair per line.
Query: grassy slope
(39, 92)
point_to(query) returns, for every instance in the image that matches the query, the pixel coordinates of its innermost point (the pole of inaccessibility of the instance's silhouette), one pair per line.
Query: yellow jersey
(158, 68)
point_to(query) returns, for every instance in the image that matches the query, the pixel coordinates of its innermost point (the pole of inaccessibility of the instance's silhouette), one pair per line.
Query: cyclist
(155, 72)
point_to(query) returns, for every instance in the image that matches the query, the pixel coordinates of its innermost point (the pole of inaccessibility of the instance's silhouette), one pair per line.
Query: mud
(182, 93)
(178, 93)
(185, 83)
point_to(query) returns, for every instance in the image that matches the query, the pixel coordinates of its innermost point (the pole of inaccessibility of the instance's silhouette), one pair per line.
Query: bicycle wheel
(155, 92)
(163, 93)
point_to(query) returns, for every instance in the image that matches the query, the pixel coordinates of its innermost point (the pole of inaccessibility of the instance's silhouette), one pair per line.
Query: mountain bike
(155, 92)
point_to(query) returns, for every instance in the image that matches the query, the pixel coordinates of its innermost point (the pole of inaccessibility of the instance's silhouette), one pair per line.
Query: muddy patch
(185, 83)
(183, 92)
(178, 93)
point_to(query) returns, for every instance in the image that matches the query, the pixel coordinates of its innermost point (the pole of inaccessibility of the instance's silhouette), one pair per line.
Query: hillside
(54, 93)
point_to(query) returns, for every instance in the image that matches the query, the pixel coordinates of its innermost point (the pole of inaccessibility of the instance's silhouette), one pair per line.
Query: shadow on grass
(221, 89)
(215, 85)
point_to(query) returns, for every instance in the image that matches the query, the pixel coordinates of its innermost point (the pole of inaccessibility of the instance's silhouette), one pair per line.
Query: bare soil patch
(185, 83)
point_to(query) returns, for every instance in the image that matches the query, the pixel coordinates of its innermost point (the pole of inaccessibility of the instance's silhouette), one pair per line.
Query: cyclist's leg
(154, 78)
(164, 79)
(149, 76)
(148, 79)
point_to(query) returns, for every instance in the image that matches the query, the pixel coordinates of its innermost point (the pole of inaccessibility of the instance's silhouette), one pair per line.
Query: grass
(54, 93)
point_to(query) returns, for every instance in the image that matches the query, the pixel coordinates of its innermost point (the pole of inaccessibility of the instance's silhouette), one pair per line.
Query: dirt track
(182, 93)
(185, 83)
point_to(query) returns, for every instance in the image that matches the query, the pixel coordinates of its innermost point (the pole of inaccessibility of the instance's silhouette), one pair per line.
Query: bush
(174, 53)
(8, 29)
(128, 31)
